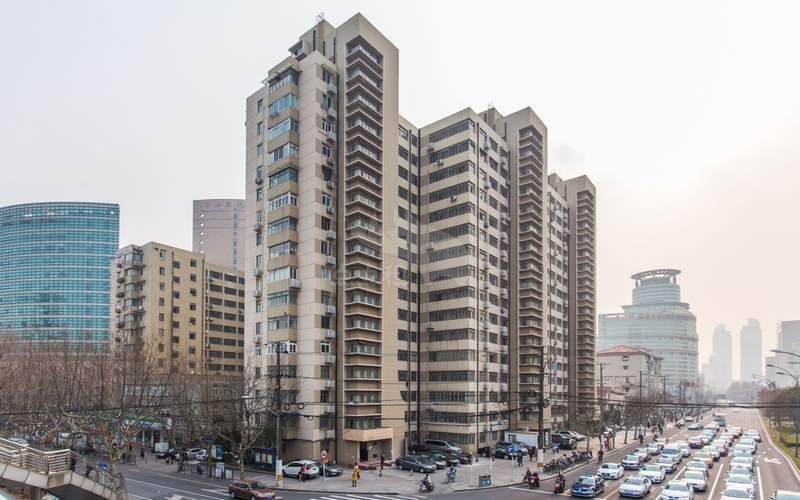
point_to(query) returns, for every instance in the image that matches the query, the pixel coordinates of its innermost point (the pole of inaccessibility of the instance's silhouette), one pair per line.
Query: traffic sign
(324, 456)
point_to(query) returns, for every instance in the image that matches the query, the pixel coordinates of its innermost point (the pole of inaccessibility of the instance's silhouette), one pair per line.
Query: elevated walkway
(62, 473)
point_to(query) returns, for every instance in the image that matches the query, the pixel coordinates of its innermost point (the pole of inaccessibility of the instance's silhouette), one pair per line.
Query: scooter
(559, 487)
(533, 482)
(426, 486)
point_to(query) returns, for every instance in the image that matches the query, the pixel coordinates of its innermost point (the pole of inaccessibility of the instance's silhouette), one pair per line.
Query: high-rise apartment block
(193, 310)
(55, 282)
(657, 320)
(216, 225)
(751, 361)
(721, 360)
(415, 281)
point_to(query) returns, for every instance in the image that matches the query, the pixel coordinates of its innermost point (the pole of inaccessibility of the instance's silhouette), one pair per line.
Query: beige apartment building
(402, 273)
(193, 311)
(217, 228)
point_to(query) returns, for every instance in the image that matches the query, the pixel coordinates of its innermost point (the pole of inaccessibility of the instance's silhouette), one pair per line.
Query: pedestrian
(383, 461)
(356, 475)
(555, 448)
(530, 453)
(130, 448)
(143, 456)
(303, 472)
(600, 438)
(519, 459)
(600, 455)
(641, 438)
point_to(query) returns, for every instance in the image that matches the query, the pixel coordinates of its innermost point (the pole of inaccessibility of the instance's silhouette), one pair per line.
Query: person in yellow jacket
(356, 475)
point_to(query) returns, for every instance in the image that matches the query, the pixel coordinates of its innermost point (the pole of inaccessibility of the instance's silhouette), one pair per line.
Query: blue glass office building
(657, 320)
(55, 270)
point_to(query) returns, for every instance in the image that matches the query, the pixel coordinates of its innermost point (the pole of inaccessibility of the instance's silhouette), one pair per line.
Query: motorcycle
(559, 487)
(425, 486)
(533, 482)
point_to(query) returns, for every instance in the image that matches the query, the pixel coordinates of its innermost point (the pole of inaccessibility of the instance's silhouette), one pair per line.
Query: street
(773, 471)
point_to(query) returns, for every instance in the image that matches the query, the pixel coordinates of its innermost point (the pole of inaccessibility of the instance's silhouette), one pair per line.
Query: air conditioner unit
(258, 271)
(330, 359)
(504, 253)
(430, 245)
(259, 180)
(487, 144)
(503, 329)
(503, 387)
(208, 346)
(486, 284)
(486, 223)
(430, 406)
(330, 161)
(256, 293)
(487, 184)
(211, 306)
(503, 273)
(329, 309)
(454, 198)
(503, 368)
(566, 231)
(330, 234)
(503, 235)
(332, 89)
(257, 339)
(332, 113)
(504, 215)
(502, 311)
(440, 162)
(566, 302)
(504, 291)
(330, 210)
(486, 385)
(486, 346)
(485, 367)
(211, 278)
(486, 264)
(330, 334)
(485, 323)
(258, 226)
(487, 305)
(330, 136)
(297, 284)
(503, 160)
(430, 146)
(330, 383)
(241, 311)
(430, 325)
(219, 372)
(504, 348)
(330, 260)
(141, 308)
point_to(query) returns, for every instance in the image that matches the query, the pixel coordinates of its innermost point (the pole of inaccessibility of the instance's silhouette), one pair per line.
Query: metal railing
(58, 462)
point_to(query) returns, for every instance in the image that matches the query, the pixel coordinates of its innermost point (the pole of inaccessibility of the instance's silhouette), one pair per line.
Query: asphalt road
(773, 471)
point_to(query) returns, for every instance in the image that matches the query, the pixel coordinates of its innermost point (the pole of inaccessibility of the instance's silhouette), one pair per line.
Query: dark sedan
(411, 462)
(171, 453)
(449, 459)
(330, 469)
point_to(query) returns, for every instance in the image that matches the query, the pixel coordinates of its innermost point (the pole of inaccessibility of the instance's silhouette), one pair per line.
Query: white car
(740, 470)
(685, 450)
(635, 486)
(293, 468)
(201, 455)
(667, 464)
(18, 441)
(736, 494)
(611, 471)
(654, 473)
(697, 479)
(677, 490)
(191, 453)
(741, 482)
(746, 462)
(753, 434)
(571, 434)
(745, 441)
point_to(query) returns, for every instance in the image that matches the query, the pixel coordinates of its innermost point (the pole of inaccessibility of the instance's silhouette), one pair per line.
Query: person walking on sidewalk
(143, 456)
(519, 458)
(356, 475)
(530, 453)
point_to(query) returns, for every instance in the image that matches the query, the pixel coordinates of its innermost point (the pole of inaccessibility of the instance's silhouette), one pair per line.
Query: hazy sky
(685, 115)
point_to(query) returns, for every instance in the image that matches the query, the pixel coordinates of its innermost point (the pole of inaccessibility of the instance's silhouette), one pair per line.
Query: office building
(721, 360)
(750, 360)
(415, 279)
(659, 321)
(788, 339)
(54, 271)
(215, 231)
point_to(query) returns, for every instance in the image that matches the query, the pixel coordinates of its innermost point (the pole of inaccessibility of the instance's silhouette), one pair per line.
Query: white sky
(685, 115)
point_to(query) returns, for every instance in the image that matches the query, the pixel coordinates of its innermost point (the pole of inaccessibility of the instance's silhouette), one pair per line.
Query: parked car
(202, 455)
(440, 445)
(250, 490)
(654, 473)
(697, 479)
(461, 457)
(172, 453)
(736, 494)
(571, 434)
(564, 442)
(19, 441)
(411, 462)
(292, 469)
(419, 448)
(510, 446)
(677, 490)
(191, 453)
(448, 459)
(588, 485)
(500, 452)
(635, 486)
(440, 463)
(330, 469)
(610, 470)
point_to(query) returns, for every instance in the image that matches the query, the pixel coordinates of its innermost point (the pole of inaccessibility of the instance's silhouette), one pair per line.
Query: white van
(672, 451)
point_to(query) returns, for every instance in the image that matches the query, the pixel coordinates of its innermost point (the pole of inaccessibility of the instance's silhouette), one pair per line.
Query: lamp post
(770, 386)
(796, 379)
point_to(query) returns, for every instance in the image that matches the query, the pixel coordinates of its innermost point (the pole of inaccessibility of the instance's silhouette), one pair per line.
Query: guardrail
(58, 462)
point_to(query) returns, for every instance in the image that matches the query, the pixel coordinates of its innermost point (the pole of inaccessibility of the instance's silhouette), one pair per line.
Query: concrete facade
(750, 360)
(216, 226)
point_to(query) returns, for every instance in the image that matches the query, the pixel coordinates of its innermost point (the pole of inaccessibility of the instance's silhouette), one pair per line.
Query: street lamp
(796, 379)
(771, 386)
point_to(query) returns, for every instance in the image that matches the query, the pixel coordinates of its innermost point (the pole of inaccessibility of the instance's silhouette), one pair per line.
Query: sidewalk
(392, 480)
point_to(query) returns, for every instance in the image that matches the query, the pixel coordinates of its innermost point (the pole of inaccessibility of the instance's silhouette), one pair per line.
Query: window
(290, 76)
(327, 151)
(287, 125)
(281, 274)
(280, 323)
(325, 347)
(327, 102)
(327, 126)
(259, 194)
(284, 102)
(260, 149)
(281, 298)
(162, 271)
(260, 127)
(192, 277)
(326, 199)
(287, 149)
(287, 174)
(282, 200)
(280, 225)
(281, 249)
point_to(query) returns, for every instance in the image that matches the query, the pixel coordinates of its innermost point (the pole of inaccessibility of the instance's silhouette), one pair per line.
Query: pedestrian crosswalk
(368, 496)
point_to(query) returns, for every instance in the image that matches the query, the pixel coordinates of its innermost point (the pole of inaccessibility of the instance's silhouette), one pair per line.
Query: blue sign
(207, 439)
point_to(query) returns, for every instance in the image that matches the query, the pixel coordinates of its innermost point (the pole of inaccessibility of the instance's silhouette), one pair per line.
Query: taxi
(588, 485)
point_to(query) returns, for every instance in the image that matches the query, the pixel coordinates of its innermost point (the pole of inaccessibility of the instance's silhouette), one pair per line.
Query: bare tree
(587, 419)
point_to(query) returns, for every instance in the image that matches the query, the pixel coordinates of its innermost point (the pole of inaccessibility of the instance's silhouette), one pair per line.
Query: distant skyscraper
(215, 231)
(659, 321)
(750, 360)
(55, 270)
(788, 340)
(721, 359)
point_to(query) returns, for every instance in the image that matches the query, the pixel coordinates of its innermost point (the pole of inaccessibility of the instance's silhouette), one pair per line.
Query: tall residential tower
(413, 282)
(751, 361)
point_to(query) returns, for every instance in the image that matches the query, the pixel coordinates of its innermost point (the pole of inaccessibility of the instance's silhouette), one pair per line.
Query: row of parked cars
(431, 455)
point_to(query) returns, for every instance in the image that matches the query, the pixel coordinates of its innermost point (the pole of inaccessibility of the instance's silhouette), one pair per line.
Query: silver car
(697, 479)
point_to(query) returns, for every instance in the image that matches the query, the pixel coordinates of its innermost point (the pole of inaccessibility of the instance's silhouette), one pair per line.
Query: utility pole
(602, 391)
(278, 402)
(541, 409)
